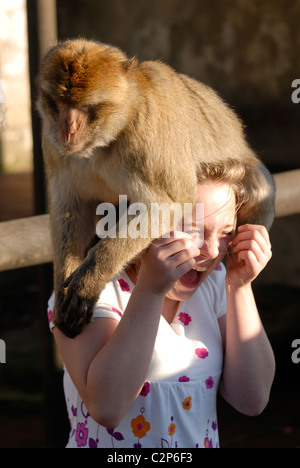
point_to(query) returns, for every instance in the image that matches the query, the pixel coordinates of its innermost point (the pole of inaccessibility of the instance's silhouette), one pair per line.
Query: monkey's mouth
(74, 148)
(72, 145)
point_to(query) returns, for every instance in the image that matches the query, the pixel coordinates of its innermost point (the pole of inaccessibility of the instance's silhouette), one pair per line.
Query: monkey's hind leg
(71, 234)
(83, 287)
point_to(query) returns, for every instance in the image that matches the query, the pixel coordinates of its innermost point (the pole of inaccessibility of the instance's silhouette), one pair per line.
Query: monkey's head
(85, 95)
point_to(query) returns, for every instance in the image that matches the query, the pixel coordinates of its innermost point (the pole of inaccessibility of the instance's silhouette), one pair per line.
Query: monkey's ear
(130, 64)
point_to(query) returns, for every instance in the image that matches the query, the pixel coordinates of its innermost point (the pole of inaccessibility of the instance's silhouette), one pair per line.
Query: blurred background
(249, 52)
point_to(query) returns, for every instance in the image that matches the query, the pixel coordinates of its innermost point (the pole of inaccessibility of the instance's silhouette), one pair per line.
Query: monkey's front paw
(76, 307)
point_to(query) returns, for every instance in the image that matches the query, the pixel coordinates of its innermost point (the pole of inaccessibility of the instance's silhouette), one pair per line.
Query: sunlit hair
(230, 173)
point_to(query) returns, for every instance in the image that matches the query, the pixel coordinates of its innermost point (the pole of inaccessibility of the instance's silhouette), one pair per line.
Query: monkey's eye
(93, 112)
(50, 102)
(90, 111)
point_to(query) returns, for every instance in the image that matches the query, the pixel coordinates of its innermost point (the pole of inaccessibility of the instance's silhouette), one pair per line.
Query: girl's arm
(249, 364)
(108, 362)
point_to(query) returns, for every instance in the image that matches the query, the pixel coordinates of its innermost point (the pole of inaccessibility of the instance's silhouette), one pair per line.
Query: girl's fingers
(172, 245)
(255, 236)
(185, 255)
(185, 267)
(173, 236)
(172, 253)
(252, 246)
(251, 252)
(247, 260)
(255, 228)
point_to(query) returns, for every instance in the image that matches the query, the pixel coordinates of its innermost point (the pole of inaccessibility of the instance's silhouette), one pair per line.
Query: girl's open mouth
(193, 277)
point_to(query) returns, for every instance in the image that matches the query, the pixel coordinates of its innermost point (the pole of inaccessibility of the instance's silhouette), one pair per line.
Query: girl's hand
(166, 260)
(251, 253)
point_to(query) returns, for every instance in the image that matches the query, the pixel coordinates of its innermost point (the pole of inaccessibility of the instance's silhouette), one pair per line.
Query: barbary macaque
(112, 126)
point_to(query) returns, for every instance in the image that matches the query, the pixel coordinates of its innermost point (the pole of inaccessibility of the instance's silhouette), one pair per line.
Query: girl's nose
(210, 248)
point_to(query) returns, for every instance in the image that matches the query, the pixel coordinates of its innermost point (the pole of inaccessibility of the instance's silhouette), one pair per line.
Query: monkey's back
(192, 117)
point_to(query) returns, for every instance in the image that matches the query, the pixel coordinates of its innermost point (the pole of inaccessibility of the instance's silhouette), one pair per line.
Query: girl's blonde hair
(254, 198)
(230, 172)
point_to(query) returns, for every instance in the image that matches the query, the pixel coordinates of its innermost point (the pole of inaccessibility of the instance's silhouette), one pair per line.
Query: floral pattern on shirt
(176, 406)
(184, 318)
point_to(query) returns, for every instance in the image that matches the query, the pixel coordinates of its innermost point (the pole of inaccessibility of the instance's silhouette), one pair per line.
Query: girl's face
(219, 226)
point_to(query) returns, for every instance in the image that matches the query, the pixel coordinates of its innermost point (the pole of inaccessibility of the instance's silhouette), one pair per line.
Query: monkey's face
(83, 96)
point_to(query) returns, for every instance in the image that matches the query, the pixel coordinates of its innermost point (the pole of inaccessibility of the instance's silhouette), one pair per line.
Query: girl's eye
(228, 234)
(225, 243)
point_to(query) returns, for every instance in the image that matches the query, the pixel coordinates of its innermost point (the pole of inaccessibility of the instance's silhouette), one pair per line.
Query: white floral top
(177, 405)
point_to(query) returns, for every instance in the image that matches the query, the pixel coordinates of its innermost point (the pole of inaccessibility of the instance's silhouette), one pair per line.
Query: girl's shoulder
(111, 303)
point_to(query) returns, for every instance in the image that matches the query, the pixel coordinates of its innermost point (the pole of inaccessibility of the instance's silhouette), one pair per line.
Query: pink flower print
(185, 318)
(81, 435)
(145, 390)
(124, 285)
(184, 378)
(209, 383)
(50, 316)
(219, 267)
(202, 353)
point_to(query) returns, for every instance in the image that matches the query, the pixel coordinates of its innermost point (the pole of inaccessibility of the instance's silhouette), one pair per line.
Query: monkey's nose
(71, 129)
(72, 126)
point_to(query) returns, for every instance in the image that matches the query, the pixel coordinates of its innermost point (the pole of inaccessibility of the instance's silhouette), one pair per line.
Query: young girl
(170, 332)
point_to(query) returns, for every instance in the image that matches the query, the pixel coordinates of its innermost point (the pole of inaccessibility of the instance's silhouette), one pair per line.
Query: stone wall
(247, 50)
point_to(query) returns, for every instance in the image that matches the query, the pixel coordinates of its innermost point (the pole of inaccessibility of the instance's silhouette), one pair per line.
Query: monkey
(114, 125)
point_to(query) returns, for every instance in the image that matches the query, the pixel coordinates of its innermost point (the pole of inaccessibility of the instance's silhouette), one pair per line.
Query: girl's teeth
(198, 268)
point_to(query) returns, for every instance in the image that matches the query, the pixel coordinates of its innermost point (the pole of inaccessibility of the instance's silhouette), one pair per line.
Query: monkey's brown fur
(115, 126)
